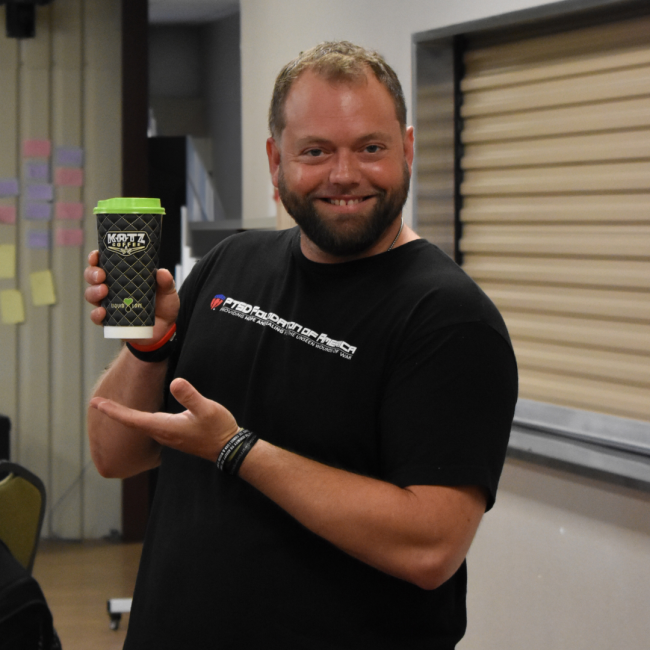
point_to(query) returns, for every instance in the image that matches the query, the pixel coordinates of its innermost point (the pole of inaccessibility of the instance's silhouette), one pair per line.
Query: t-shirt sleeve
(448, 409)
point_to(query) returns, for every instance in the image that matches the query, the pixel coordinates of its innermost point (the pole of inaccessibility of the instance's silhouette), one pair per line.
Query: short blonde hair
(334, 61)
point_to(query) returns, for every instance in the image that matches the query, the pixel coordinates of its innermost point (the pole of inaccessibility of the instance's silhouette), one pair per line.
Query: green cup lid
(129, 205)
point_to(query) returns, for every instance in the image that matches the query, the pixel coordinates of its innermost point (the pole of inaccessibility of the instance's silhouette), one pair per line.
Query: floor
(77, 579)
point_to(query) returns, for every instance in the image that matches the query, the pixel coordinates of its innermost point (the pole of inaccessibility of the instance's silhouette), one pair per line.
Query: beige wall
(62, 86)
(561, 562)
(275, 31)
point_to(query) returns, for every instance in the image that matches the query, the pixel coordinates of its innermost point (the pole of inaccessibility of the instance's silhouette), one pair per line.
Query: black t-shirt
(395, 366)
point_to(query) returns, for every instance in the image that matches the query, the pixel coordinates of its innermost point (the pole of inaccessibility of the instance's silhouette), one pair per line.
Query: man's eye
(372, 148)
(314, 153)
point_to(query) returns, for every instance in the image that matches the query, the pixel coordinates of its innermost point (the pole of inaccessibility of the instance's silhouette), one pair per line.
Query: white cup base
(112, 332)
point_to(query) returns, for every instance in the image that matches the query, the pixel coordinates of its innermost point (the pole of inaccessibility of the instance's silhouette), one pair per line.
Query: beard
(360, 233)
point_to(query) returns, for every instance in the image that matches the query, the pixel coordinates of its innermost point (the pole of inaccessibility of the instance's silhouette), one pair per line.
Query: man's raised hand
(202, 430)
(167, 300)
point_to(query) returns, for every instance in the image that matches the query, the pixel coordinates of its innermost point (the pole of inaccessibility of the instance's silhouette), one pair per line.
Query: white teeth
(344, 202)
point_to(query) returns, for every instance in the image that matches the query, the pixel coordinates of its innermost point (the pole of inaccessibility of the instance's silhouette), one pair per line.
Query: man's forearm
(420, 534)
(119, 451)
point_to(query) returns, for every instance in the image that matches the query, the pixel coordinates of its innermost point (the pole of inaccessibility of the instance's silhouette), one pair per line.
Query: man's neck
(313, 253)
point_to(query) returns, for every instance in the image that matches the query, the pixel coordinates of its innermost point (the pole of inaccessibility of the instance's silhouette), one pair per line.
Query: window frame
(584, 442)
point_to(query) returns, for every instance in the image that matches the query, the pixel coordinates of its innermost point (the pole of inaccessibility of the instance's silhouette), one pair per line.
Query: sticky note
(42, 285)
(38, 239)
(69, 157)
(9, 187)
(38, 211)
(40, 192)
(72, 211)
(37, 171)
(11, 305)
(69, 237)
(69, 176)
(7, 261)
(37, 148)
(7, 214)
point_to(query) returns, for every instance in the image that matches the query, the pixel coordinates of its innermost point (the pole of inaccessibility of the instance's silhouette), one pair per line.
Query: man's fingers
(147, 422)
(98, 315)
(94, 275)
(201, 430)
(115, 411)
(189, 397)
(95, 294)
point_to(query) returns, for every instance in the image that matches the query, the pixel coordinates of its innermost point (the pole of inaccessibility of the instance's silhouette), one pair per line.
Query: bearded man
(331, 419)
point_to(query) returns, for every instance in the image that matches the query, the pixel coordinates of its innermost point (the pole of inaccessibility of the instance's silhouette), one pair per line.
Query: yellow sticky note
(11, 305)
(42, 288)
(7, 261)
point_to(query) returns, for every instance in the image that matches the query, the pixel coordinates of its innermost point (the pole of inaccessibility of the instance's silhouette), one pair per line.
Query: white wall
(562, 562)
(275, 31)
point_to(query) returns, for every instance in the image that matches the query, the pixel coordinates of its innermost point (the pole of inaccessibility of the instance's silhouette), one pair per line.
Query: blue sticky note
(9, 187)
(38, 211)
(69, 157)
(37, 171)
(38, 239)
(40, 192)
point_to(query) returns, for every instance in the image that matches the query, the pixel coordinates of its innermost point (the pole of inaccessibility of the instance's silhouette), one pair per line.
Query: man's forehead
(353, 78)
(311, 93)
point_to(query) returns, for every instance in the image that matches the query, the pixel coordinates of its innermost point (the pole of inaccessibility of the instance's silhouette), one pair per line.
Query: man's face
(342, 165)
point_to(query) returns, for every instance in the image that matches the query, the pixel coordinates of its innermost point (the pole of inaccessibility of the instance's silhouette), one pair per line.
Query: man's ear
(409, 148)
(273, 153)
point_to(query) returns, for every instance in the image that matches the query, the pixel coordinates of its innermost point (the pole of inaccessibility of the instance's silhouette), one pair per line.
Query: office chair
(22, 508)
(25, 618)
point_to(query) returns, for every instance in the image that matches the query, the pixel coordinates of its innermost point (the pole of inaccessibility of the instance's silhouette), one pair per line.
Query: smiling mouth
(342, 202)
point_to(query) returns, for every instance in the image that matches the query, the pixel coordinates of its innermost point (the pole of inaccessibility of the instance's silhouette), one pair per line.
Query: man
(374, 380)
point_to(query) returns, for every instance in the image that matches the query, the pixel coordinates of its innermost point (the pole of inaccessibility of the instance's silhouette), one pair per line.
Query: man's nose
(345, 169)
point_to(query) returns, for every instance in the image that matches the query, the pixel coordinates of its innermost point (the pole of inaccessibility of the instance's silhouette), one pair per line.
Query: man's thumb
(165, 281)
(186, 395)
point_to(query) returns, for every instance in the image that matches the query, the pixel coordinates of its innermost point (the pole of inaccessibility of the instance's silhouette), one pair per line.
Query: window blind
(556, 208)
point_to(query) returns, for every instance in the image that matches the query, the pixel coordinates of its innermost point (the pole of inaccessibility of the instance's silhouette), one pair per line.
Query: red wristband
(155, 346)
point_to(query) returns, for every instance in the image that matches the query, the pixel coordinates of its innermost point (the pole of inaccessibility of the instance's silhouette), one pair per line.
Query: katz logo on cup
(126, 243)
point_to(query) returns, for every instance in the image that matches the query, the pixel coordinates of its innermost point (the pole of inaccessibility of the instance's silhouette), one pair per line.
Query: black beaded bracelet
(162, 353)
(235, 451)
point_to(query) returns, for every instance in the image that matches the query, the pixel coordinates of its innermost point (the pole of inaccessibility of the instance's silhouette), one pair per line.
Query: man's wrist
(155, 352)
(235, 451)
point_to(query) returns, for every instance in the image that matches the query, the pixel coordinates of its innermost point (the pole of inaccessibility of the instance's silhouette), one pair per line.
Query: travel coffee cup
(129, 232)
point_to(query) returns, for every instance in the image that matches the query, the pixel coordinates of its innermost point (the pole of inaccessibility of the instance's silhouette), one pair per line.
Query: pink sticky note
(71, 211)
(69, 176)
(7, 214)
(71, 237)
(37, 148)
